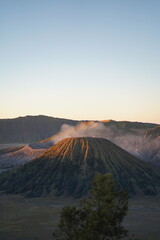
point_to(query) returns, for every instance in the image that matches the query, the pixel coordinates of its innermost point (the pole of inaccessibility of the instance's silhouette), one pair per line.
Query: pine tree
(97, 218)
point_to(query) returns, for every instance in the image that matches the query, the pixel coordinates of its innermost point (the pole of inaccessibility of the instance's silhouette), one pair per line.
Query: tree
(97, 218)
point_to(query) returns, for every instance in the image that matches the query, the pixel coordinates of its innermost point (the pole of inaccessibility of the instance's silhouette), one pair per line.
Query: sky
(88, 59)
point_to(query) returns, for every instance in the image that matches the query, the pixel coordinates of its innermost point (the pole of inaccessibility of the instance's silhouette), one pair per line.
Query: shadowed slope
(69, 166)
(137, 138)
(31, 129)
(14, 157)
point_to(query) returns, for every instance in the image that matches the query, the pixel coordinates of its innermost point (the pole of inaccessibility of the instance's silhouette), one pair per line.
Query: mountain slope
(69, 167)
(137, 138)
(12, 158)
(30, 128)
(35, 128)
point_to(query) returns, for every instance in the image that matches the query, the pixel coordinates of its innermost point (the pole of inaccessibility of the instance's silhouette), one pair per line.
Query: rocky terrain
(68, 168)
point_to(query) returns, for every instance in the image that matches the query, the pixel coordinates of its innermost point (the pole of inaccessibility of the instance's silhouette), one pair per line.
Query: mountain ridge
(69, 167)
(31, 129)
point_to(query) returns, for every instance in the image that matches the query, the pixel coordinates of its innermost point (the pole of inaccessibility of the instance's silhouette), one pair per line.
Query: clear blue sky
(80, 59)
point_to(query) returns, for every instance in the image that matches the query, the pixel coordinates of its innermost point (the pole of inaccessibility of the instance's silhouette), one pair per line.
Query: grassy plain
(36, 218)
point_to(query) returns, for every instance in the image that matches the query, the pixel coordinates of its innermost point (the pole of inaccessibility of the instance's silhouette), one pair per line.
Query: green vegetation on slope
(69, 166)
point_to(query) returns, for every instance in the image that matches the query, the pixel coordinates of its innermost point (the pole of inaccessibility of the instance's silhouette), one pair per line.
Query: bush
(97, 218)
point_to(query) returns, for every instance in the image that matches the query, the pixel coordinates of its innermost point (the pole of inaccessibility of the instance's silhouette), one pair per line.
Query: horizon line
(79, 120)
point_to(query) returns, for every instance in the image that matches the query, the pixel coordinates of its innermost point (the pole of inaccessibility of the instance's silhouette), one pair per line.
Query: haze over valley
(140, 139)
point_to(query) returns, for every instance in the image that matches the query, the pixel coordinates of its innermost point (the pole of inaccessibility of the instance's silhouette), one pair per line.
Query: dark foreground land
(35, 219)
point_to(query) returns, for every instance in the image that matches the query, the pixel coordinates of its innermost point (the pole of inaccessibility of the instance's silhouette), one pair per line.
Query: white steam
(82, 130)
(134, 142)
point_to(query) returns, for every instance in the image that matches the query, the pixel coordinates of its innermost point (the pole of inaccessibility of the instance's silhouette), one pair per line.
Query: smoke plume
(134, 142)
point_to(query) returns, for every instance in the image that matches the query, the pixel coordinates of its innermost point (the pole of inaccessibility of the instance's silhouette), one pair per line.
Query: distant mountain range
(140, 139)
(68, 168)
(30, 128)
(35, 128)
